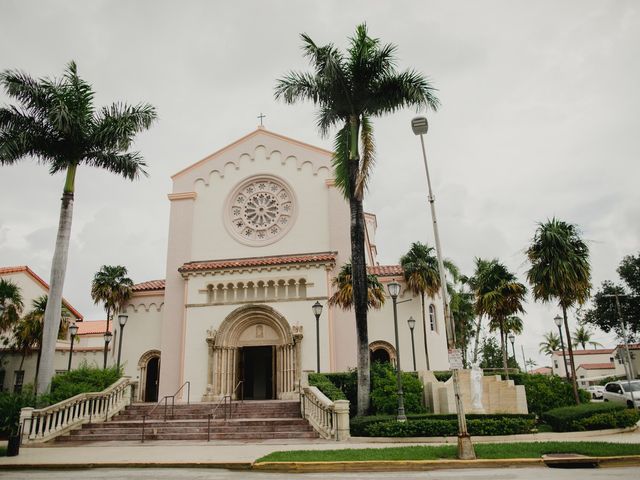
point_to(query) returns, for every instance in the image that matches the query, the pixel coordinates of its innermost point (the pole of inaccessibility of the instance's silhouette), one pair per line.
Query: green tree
(550, 344)
(350, 89)
(343, 294)
(498, 296)
(56, 122)
(560, 270)
(112, 288)
(461, 303)
(491, 355)
(420, 266)
(10, 304)
(582, 336)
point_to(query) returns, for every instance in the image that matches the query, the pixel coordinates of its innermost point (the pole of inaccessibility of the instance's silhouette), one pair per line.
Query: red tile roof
(542, 371)
(37, 278)
(632, 346)
(592, 351)
(597, 366)
(385, 270)
(149, 286)
(326, 257)
(93, 327)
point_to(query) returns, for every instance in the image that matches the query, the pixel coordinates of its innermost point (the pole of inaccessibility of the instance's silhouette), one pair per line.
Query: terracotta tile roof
(93, 327)
(592, 351)
(632, 346)
(385, 270)
(542, 371)
(597, 366)
(149, 286)
(37, 278)
(326, 257)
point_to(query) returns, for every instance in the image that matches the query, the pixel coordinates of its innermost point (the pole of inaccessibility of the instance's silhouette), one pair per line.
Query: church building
(257, 232)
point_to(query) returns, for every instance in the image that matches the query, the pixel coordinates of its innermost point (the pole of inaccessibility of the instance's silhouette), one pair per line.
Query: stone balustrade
(330, 419)
(44, 424)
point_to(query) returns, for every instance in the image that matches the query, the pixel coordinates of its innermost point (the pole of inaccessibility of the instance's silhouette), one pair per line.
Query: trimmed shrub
(588, 416)
(443, 376)
(546, 392)
(326, 386)
(384, 390)
(83, 379)
(10, 406)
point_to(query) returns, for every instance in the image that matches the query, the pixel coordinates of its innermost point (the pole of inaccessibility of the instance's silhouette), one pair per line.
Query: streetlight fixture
(512, 339)
(412, 325)
(122, 321)
(394, 291)
(558, 322)
(420, 126)
(107, 338)
(317, 310)
(73, 331)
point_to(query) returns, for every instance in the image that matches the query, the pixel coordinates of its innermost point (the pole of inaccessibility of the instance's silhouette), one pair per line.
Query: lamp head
(419, 125)
(411, 322)
(394, 289)
(122, 320)
(73, 330)
(107, 337)
(317, 308)
(512, 338)
(558, 320)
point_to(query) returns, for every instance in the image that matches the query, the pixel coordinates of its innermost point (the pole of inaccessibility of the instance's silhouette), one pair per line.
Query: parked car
(620, 392)
(596, 391)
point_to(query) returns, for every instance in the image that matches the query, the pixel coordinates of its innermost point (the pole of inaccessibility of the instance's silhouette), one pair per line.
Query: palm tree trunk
(35, 381)
(424, 331)
(503, 346)
(24, 354)
(477, 343)
(105, 343)
(573, 365)
(358, 269)
(56, 284)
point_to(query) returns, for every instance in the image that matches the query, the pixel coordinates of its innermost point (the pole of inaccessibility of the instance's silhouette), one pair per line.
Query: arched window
(432, 318)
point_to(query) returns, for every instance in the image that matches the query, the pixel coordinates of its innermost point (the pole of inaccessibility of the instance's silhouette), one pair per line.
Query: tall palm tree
(560, 270)
(10, 304)
(350, 89)
(582, 336)
(343, 295)
(420, 266)
(56, 122)
(499, 295)
(112, 288)
(550, 344)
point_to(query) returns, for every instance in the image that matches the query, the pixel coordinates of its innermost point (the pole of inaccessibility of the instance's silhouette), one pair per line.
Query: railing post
(209, 428)
(341, 409)
(144, 418)
(26, 419)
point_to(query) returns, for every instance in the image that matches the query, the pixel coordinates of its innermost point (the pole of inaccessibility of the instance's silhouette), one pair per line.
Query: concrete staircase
(250, 420)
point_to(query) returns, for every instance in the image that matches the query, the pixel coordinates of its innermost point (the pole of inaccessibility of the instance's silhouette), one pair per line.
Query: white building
(592, 365)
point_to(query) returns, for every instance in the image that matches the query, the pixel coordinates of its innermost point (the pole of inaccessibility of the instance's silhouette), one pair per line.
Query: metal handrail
(227, 411)
(165, 399)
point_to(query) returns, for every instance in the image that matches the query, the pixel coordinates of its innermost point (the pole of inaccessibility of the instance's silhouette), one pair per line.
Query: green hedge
(384, 390)
(326, 386)
(430, 425)
(10, 406)
(546, 392)
(590, 416)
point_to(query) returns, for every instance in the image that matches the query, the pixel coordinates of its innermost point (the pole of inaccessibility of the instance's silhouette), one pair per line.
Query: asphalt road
(214, 474)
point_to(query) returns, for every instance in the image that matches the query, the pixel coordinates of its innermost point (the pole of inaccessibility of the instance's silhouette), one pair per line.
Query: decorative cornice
(182, 196)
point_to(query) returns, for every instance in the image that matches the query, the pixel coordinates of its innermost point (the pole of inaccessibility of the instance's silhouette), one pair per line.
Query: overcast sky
(539, 118)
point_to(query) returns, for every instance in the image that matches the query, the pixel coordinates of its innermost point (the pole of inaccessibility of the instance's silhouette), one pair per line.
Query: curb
(83, 466)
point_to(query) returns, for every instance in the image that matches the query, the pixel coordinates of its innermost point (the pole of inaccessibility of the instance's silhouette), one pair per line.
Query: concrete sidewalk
(239, 454)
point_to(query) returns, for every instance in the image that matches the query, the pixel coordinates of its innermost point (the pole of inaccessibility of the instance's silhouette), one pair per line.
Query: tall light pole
(394, 291)
(412, 325)
(317, 310)
(558, 321)
(420, 127)
(107, 338)
(73, 331)
(122, 321)
(512, 339)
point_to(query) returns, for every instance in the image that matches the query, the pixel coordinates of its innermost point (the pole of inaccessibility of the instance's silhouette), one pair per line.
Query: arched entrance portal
(381, 351)
(149, 366)
(254, 345)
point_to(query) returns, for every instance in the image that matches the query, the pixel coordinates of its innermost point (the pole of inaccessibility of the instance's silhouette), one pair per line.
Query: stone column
(297, 341)
(341, 407)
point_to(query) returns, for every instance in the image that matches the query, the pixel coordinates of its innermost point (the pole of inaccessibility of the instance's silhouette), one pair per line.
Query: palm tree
(582, 336)
(56, 123)
(350, 89)
(343, 295)
(10, 304)
(112, 288)
(560, 270)
(420, 267)
(498, 296)
(550, 344)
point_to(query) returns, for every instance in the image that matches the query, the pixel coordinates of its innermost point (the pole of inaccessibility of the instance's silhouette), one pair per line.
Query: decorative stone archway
(142, 369)
(253, 326)
(387, 347)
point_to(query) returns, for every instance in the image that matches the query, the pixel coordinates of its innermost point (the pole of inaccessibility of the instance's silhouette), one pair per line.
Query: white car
(596, 391)
(620, 392)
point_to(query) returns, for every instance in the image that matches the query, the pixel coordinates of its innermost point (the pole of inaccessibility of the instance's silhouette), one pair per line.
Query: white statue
(476, 387)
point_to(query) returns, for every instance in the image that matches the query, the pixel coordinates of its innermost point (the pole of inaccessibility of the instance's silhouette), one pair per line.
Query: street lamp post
(558, 322)
(420, 127)
(107, 338)
(512, 339)
(394, 291)
(73, 331)
(317, 310)
(122, 321)
(412, 325)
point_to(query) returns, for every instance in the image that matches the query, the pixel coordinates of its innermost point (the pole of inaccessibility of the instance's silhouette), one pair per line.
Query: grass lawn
(483, 450)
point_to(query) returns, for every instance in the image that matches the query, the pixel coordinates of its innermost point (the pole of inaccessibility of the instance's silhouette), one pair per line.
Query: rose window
(260, 210)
